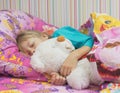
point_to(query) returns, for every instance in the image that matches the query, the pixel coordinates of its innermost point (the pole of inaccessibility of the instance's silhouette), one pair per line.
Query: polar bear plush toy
(50, 55)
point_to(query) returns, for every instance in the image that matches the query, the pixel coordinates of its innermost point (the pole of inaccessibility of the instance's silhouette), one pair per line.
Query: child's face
(29, 45)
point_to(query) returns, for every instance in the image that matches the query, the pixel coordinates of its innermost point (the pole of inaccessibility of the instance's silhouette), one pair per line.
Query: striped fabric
(64, 12)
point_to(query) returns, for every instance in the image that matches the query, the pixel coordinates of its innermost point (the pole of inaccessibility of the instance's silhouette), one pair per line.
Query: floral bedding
(16, 74)
(106, 50)
(17, 85)
(12, 62)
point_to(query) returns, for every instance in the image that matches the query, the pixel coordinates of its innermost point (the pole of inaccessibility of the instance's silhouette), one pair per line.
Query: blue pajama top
(77, 38)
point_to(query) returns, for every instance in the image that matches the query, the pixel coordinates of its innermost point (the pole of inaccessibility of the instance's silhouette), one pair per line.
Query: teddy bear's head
(64, 44)
(51, 52)
(58, 43)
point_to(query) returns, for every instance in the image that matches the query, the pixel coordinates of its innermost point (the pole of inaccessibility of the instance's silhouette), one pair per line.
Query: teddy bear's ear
(60, 38)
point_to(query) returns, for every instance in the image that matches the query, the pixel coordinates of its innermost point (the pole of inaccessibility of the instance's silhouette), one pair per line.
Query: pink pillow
(12, 62)
(108, 54)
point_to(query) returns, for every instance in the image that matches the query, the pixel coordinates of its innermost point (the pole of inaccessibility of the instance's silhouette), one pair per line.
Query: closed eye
(32, 45)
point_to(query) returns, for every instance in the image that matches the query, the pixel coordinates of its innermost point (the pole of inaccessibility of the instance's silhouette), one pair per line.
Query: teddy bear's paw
(78, 81)
(97, 81)
(78, 84)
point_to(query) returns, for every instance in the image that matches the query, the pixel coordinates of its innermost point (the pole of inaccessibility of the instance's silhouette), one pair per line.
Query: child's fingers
(59, 80)
(54, 73)
(53, 78)
(56, 79)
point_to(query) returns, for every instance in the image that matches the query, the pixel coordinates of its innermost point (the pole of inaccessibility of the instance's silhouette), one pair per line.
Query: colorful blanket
(16, 85)
(21, 78)
(12, 62)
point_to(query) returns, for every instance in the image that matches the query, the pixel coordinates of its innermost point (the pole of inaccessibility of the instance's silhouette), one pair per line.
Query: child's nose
(32, 51)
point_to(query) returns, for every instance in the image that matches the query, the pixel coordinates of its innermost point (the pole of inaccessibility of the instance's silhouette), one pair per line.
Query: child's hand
(57, 79)
(69, 64)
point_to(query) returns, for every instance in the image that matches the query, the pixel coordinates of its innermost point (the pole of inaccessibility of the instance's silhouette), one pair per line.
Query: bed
(16, 74)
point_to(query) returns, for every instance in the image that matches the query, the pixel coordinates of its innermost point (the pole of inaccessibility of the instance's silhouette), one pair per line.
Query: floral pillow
(106, 50)
(12, 62)
(87, 27)
(97, 23)
(108, 54)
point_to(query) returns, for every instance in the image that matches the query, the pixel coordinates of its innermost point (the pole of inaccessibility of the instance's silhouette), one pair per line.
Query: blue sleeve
(77, 38)
(89, 42)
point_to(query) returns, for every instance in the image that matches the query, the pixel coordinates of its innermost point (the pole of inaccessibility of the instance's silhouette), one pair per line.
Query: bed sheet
(17, 85)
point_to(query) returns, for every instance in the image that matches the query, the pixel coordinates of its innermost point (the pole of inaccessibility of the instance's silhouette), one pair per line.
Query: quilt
(17, 85)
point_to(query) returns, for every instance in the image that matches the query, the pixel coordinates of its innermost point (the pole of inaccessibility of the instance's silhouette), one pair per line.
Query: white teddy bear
(50, 55)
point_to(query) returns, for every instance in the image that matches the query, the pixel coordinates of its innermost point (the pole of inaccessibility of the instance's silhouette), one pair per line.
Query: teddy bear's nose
(60, 38)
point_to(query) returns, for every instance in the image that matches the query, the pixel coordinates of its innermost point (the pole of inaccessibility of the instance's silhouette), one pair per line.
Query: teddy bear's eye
(108, 22)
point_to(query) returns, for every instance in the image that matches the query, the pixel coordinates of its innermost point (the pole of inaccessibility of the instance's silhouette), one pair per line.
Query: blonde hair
(24, 35)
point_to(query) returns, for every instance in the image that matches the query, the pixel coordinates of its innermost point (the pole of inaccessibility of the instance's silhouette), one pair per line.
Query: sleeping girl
(28, 41)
